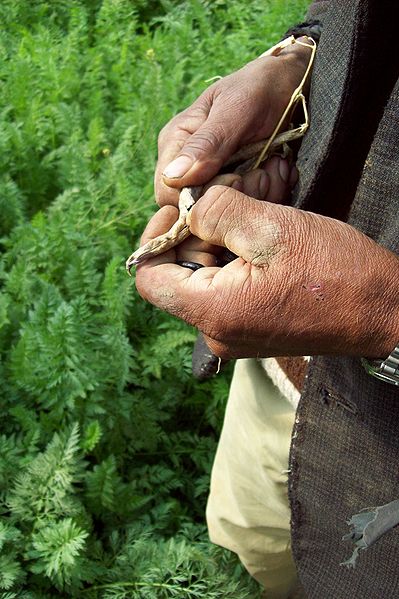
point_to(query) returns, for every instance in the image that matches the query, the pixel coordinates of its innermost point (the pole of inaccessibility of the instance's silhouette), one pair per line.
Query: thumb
(250, 228)
(204, 152)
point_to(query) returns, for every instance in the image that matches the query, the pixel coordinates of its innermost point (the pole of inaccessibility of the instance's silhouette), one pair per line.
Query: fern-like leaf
(56, 550)
(45, 488)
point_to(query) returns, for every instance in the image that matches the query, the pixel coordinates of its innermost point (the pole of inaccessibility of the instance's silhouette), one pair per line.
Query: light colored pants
(248, 510)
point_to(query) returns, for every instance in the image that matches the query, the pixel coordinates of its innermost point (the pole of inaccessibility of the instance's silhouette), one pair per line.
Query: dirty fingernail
(264, 184)
(178, 167)
(284, 170)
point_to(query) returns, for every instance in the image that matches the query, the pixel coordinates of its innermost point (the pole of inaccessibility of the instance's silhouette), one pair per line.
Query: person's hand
(265, 183)
(239, 109)
(303, 283)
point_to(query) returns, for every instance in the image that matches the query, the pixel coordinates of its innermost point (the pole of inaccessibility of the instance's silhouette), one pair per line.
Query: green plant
(106, 442)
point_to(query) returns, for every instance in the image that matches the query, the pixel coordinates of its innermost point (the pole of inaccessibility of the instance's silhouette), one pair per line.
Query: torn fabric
(368, 526)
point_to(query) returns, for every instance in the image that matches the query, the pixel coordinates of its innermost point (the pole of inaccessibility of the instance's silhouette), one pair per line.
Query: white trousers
(248, 510)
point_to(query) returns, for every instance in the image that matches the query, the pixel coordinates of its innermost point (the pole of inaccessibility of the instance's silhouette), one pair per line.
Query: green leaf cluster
(106, 442)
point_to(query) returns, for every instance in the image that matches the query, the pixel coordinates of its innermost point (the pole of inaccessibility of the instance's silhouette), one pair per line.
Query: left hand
(303, 284)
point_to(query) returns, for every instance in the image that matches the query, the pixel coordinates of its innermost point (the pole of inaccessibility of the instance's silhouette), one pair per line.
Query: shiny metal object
(386, 370)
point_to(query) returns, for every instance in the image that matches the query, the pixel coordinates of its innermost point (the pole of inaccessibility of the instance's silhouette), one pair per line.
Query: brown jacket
(345, 450)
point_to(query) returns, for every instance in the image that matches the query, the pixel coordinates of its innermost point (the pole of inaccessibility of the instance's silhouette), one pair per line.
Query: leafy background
(106, 441)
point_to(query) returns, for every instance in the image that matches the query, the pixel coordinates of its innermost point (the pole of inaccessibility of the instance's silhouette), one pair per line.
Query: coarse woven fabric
(345, 449)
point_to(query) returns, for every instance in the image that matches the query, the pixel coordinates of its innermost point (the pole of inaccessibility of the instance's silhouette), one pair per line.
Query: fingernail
(264, 184)
(284, 170)
(178, 167)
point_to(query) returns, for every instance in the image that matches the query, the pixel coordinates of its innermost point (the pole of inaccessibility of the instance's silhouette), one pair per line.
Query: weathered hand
(303, 284)
(239, 109)
(268, 183)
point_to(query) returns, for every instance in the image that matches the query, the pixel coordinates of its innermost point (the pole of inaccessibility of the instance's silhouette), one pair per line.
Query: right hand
(272, 182)
(241, 108)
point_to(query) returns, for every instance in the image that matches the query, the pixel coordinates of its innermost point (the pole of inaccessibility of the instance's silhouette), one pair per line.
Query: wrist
(286, 71)
(383, 312)
(296, 59)
(299, 51)
(295, 55)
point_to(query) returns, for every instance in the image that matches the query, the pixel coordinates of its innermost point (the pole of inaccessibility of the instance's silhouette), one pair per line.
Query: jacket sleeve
(318, 9)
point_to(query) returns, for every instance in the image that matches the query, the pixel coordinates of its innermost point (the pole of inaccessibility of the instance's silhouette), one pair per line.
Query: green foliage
(56, 551)
(106, 442)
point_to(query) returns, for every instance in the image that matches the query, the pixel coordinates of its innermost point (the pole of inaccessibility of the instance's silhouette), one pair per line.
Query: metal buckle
(387, 370)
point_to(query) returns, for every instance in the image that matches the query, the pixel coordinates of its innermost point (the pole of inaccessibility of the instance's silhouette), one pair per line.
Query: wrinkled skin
(237, 110)
(303, 283)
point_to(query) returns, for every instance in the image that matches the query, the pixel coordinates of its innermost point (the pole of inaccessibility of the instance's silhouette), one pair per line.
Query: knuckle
(197, 111)
(220, 197)
(206, 140)
(295, 236)
(209, 212)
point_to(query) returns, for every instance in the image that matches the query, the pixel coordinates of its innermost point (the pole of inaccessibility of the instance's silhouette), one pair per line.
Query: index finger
(165, 284)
